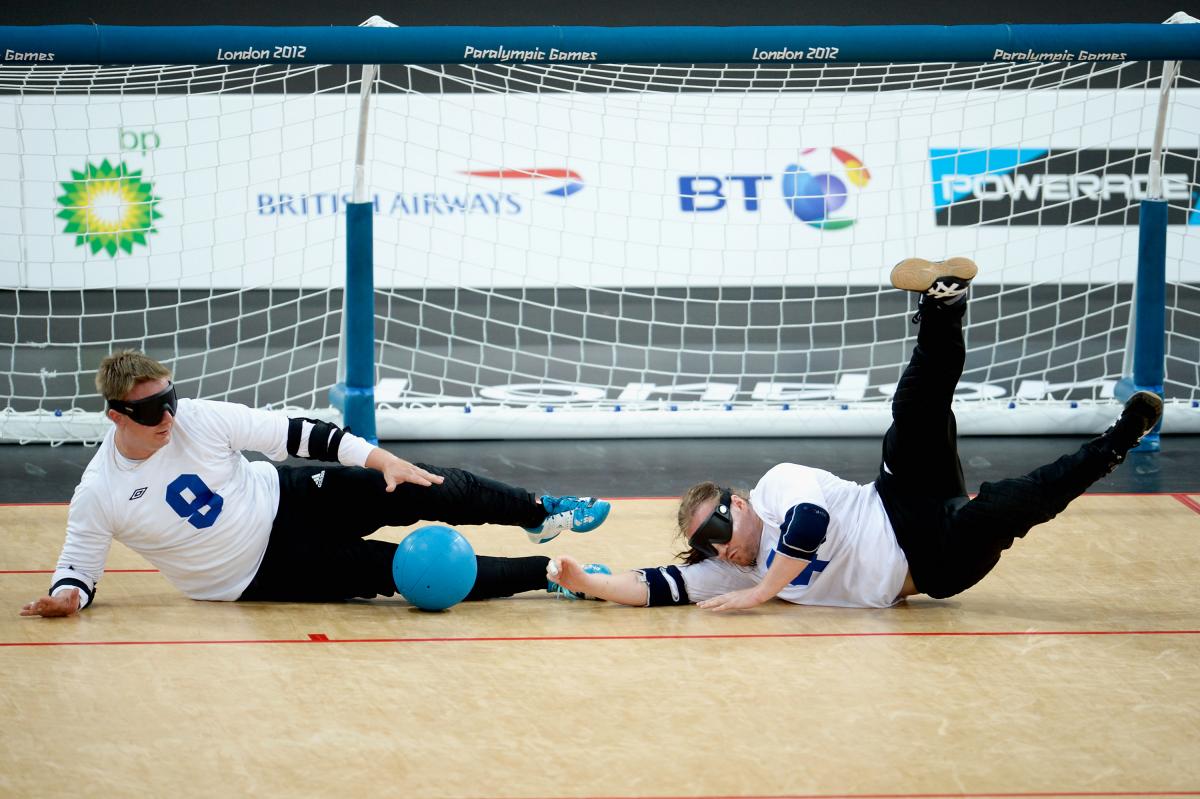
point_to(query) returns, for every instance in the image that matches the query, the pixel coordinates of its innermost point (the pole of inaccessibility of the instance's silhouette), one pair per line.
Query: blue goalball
(434, 567)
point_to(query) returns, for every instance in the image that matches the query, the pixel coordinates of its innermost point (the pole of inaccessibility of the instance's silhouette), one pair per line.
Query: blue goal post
(370, 45)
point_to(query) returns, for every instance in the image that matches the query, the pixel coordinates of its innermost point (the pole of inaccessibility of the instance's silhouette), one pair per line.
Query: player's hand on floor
(63, 604)
(734, 600)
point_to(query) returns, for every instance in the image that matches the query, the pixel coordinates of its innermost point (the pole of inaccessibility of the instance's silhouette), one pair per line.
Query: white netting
(699, 247)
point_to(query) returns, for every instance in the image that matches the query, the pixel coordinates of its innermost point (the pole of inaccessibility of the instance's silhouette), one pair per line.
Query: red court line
(1186, 500)
(963, 795)
(999, 794)
(321, 638)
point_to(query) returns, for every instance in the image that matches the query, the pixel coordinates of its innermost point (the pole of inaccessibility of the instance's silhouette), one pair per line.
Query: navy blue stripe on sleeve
(803, 531)
(80, 584)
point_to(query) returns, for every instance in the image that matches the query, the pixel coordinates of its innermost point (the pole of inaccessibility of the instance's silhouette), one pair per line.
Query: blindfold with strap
(148, 411)
(717, 528)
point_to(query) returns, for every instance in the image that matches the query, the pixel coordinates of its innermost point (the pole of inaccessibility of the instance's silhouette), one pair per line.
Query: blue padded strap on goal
(666, 586)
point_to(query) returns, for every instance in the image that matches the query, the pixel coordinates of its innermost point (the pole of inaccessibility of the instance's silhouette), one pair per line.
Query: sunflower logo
(108, 208)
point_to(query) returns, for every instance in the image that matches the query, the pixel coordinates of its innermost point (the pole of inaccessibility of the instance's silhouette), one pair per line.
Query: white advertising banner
(631, 189)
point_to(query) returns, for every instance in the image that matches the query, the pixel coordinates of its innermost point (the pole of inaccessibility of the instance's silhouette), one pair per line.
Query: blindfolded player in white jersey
(170, 482)
(809, 537)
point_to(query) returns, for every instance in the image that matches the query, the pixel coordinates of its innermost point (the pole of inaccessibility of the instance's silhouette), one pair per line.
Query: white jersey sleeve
(784, 487)
(240, 428)
(713, 577)
(229, 426)
(81, 563)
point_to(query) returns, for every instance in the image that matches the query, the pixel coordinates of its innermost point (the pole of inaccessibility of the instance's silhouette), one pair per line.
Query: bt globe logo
(820, 188)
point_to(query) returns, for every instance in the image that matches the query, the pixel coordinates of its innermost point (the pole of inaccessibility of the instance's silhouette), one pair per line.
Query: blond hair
(121, 371)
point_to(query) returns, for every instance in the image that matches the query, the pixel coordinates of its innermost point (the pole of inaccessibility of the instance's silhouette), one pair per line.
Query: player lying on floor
(170, 482)
(809, 537)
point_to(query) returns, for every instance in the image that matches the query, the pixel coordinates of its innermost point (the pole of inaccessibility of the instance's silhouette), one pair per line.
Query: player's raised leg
(946, 280)
(922, 442)
(979, 531)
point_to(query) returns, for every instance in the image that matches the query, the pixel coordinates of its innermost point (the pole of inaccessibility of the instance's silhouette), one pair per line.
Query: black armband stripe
(666, 586)
(323, 439)
(295, 431)
(333, 442)
(80, 584)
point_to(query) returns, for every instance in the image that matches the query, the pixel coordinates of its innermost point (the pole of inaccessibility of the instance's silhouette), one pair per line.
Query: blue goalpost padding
(1150, 299)
(355, 396)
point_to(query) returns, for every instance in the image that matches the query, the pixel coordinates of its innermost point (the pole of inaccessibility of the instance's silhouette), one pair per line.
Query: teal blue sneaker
(588, 568)
(578, 514)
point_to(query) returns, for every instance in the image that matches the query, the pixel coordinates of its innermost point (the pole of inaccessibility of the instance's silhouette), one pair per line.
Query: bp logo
(821, 187)
(108, 208)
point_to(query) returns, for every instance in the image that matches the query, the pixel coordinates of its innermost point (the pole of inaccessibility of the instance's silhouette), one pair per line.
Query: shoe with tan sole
(938, 280)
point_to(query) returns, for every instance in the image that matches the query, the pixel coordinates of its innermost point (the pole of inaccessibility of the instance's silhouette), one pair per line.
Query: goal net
(593, 250)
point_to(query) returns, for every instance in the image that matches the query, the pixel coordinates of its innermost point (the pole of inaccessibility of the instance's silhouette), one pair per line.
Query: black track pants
(951, 542)
(316, 551)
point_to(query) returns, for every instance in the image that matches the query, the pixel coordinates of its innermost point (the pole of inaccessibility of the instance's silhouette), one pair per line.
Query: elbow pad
(803, 531)
(313, 439)
(666, 585)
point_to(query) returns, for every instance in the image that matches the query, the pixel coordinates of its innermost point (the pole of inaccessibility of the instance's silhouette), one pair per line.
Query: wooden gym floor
(1072, 670)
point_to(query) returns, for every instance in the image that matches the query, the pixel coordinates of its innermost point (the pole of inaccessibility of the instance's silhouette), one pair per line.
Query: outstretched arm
(277, 436)
(81, 563)
(625, 588)
(317, 440)
(783, 570)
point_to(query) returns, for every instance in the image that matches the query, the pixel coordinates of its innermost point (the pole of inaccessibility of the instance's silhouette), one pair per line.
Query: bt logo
(820, 189)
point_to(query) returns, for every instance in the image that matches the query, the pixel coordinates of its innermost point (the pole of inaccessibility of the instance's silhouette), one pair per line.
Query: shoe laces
(561, 504)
